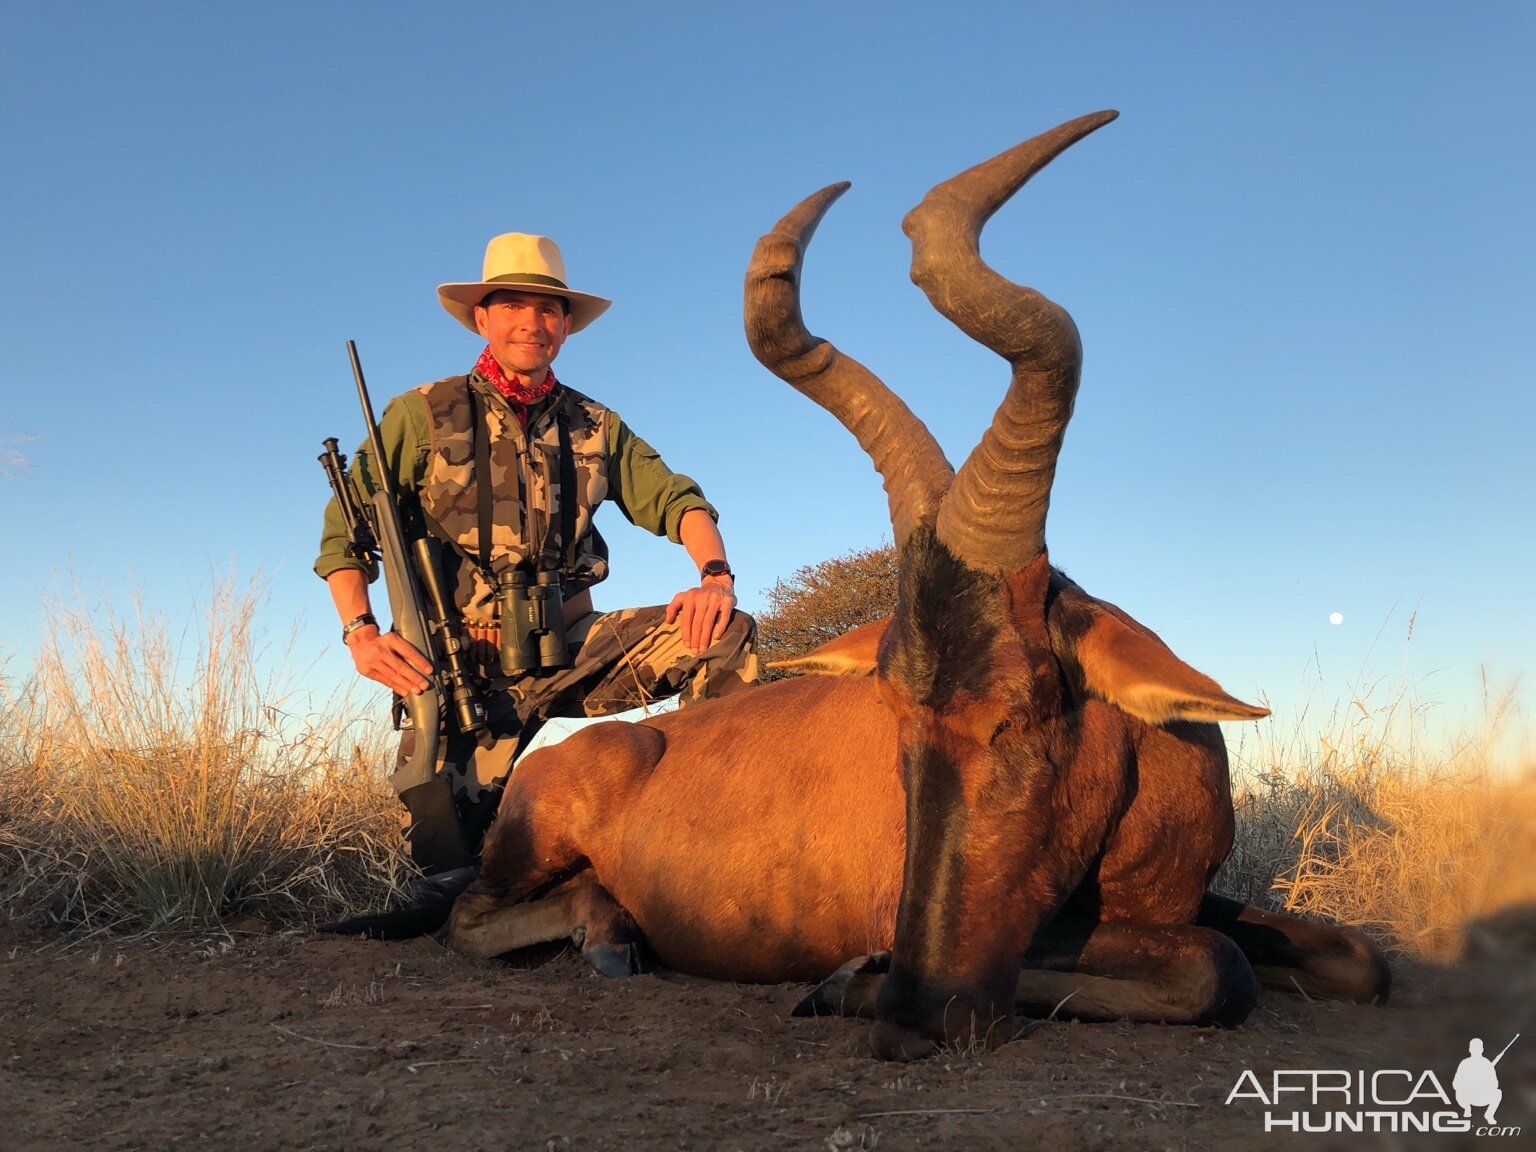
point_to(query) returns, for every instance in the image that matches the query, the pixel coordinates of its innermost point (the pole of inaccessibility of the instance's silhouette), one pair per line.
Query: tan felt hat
(516, 260)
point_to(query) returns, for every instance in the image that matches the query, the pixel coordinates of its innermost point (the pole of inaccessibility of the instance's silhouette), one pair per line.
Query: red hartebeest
(1051, 768)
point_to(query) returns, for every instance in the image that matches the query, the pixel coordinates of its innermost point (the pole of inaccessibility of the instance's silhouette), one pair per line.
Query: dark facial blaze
(941, 638)
(967, 669)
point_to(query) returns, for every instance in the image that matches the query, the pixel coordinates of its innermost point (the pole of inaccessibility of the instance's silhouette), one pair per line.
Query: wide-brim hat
(520, 262)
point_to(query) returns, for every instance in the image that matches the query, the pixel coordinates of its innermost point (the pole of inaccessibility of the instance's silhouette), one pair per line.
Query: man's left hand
(705, 613)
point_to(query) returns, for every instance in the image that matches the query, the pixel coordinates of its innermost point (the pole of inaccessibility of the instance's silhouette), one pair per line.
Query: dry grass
(147, 785)
(142, 785)
(1372, 824)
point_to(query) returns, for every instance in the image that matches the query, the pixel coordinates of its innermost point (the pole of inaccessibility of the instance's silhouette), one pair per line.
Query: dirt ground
(295, 1041)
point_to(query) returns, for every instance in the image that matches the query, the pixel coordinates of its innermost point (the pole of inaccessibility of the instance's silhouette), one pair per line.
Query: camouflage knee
(728, 665)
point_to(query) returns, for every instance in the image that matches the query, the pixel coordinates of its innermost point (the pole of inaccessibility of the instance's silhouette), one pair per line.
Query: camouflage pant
(620, 660)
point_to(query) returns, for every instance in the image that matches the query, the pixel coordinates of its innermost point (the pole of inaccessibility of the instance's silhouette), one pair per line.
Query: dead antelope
(1049, 766)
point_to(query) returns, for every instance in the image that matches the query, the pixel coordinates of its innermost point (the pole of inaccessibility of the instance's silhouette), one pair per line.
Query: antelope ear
(1125, 663)
(851, 654)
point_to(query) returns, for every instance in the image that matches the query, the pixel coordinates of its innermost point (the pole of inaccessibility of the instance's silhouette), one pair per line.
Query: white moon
(1336, 618)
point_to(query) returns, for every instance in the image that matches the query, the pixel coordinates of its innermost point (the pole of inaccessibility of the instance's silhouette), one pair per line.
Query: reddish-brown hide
(1025, 802)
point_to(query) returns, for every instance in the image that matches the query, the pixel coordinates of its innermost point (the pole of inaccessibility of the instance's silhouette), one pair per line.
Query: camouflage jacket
(429, 449)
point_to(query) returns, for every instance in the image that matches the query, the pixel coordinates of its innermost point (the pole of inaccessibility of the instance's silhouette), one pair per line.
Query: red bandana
(521, 395)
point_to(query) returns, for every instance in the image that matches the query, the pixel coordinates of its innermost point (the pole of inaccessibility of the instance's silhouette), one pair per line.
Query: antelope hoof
(614, 960)
(849, 991)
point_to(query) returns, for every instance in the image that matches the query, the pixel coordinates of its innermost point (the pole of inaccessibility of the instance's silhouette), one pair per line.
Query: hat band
(527, 278)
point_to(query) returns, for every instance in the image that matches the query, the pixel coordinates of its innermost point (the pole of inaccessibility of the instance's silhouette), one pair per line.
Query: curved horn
(994, 514)
(904, 452)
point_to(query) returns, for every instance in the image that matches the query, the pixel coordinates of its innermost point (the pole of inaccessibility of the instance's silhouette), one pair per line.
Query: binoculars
(532, 622)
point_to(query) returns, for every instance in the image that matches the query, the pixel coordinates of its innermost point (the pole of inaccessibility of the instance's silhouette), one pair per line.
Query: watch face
(716, 568)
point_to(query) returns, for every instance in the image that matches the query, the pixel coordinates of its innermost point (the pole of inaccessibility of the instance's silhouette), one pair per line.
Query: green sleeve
(649, 493)
(407, 440)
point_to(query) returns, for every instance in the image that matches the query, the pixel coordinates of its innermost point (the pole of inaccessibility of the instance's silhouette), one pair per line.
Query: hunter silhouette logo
(1477, 1080)
(1387, 1100)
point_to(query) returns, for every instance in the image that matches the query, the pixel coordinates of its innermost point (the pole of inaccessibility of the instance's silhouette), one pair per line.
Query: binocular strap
(549, 557)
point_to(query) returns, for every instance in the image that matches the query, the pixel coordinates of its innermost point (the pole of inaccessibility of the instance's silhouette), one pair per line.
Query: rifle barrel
(1506, 1048)
(375, 440)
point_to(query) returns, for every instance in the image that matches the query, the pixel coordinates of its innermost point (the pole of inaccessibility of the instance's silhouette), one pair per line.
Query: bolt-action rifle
(422, 611)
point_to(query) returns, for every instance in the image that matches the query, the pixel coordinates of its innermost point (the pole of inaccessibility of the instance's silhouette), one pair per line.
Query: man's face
(524, 329)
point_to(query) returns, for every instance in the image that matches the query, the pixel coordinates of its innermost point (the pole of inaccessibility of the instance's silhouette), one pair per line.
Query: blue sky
(1300, 262)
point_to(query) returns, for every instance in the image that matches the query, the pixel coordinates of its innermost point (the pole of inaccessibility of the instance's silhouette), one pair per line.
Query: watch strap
(357, 622)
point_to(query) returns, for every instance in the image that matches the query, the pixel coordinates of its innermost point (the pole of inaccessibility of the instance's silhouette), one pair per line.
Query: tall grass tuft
(145, 785)
(148, 784)
(1374, 824)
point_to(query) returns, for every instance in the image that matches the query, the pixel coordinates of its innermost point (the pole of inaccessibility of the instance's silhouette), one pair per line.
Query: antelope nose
(894, 1042)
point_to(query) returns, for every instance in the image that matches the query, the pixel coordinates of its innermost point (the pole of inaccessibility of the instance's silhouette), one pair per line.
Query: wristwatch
(357, 622)
(716, 568)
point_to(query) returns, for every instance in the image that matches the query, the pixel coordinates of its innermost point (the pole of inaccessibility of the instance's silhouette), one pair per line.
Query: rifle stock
(408, 614)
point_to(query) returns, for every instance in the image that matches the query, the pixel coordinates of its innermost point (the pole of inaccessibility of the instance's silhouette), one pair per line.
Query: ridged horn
(993, 516)
(904, 452)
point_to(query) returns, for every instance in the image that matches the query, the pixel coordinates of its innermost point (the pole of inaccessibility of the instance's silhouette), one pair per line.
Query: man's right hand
(389, 659)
